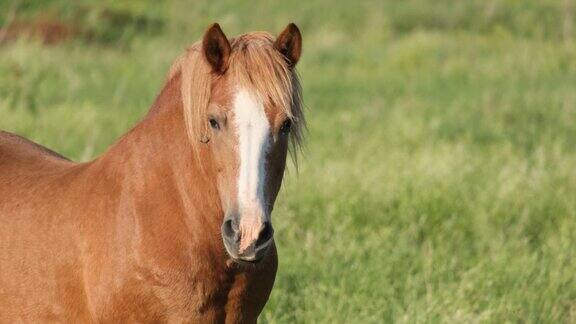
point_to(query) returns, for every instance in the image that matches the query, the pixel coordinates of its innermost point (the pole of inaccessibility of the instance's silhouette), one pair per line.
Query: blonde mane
(255, 65)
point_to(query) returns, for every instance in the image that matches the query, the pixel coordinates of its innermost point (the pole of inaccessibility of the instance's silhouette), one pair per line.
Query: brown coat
(136, 235)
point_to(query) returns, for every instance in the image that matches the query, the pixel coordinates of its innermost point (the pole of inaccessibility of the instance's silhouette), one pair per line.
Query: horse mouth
(251, 257)
(245, 261)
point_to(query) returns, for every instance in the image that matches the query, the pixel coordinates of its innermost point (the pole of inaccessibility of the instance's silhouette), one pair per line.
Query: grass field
(438, 182)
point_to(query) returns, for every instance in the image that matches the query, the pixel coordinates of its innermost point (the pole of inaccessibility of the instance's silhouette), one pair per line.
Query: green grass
(438, 182)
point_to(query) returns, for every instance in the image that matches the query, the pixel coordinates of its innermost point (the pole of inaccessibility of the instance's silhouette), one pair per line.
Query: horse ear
(216, 48)
(289, 43)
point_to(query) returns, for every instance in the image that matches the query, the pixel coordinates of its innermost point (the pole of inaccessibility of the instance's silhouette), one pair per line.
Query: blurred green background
(438, 183)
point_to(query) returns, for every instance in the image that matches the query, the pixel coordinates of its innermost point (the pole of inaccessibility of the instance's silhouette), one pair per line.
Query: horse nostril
(229, 231)
(265, 234)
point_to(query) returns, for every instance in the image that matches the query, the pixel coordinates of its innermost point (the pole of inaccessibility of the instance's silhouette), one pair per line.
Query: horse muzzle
(246, 243)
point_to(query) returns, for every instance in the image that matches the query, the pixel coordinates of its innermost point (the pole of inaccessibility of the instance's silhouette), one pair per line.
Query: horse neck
(157, 162)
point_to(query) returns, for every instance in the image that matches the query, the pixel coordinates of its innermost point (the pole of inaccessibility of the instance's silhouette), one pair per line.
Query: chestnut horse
(172, 223)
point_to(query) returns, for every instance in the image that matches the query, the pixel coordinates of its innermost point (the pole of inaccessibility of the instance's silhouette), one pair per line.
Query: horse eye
(286, 126)
(214, 124)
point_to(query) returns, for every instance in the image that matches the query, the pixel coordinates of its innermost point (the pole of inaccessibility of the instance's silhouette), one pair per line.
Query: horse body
(172, 223)
(127, 237)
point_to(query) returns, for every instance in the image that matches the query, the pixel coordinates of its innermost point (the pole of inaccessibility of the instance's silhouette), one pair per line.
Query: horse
(172, 223)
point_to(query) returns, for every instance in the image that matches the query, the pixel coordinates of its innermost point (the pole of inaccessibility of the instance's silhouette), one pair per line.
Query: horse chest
(229, 294)
(234, 296)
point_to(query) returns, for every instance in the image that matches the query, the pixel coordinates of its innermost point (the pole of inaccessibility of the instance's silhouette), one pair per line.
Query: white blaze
(253, 136)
